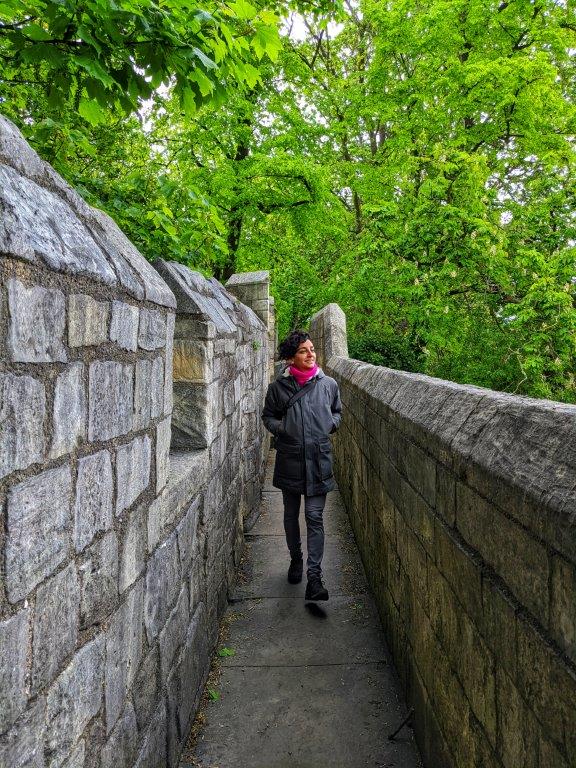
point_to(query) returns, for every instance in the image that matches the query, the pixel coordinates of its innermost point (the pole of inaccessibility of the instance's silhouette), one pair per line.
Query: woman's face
(305, 357)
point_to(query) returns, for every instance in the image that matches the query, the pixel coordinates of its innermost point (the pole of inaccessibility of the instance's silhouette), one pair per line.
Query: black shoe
(295, 570)
(315, 590)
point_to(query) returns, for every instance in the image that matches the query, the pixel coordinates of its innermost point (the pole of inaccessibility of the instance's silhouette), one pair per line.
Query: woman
(301, 409)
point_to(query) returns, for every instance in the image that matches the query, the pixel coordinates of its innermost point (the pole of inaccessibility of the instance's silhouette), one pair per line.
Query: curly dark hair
(289, 347)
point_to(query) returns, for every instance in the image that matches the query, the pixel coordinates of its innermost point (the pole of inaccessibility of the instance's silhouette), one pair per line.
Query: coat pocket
(288, 461)
(325, 459)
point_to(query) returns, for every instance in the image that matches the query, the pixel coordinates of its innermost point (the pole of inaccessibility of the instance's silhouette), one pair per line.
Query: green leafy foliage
(413, 162)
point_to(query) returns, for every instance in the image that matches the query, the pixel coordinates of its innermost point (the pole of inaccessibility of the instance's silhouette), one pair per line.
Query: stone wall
(116, 551)
(463, 502)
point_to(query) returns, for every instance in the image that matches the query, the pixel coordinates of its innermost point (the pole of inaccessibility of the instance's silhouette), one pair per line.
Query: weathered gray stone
(186, 532)
(73, 700)
(132, 471)
(152, 333)
(173, 634)
(13, 649)
(133, 548)
(40, 225)
(93, 507)
(146, 688)
(195, 416)
(55, 625)
(123, 653)
(110, 400)
(87, 321)
(149, 392)
(22, 410)
(132, 267)
(153, 752)
(99, 580)
(157, 519)
(37, 321)
(38, 524)
(23, 746)
(163, 434)
(168, 367)
(192, 670)
(76, 757)
(69, 416)
(162, 586)
(124, 325)
(122, 745)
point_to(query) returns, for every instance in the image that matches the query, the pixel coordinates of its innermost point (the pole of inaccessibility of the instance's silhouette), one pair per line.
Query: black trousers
(313, 513)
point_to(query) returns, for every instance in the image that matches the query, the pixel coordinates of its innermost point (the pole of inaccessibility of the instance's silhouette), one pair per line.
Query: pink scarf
(303, 376)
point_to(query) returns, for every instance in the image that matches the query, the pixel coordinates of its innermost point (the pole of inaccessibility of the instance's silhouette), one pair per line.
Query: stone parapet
(253, 289)
(117, 553)
(328, 331)
(463, 502)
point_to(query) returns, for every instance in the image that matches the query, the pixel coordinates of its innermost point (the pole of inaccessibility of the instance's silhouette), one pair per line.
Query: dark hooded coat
(303, 448)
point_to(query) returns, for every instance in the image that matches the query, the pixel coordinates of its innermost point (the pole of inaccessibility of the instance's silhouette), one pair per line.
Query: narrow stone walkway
(309, 685)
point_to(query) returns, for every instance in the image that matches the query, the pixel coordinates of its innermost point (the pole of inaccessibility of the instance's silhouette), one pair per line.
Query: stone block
(174, 632)
(87, 321)
(461, 568)
(133, 553)
(193, 669)
(169, 363)
(520, 560)
(162, 586)
(121, 747)
(193, 361)
(153, 752)
(548, 684)
(132, 471)
(123, 653)
(445, 494)
(80, 683)
(194, 422)
(37, 530)
(563, 605)
(22, 411)
(99, 580)
(93, 505)
(37, 322)
(148, 392)
(124, 325)
(13, 650)
(146, 688)
(157, 388)
(55, 625)
(499, 612)
(69, 415)
(76, 757)
(163, 437)
(186, 533)
(152, 332)
(517, 728)
(110, 400)
(23, 745)
(550, 756)
(158, 519)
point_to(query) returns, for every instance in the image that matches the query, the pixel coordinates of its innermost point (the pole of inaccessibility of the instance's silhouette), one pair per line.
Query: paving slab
(309, 685)
(266, 632)
(333, 716)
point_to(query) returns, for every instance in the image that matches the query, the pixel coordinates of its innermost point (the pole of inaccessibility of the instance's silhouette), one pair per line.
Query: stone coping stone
(46, 221)
(518, 452)
(197, 295)
(249, 278)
